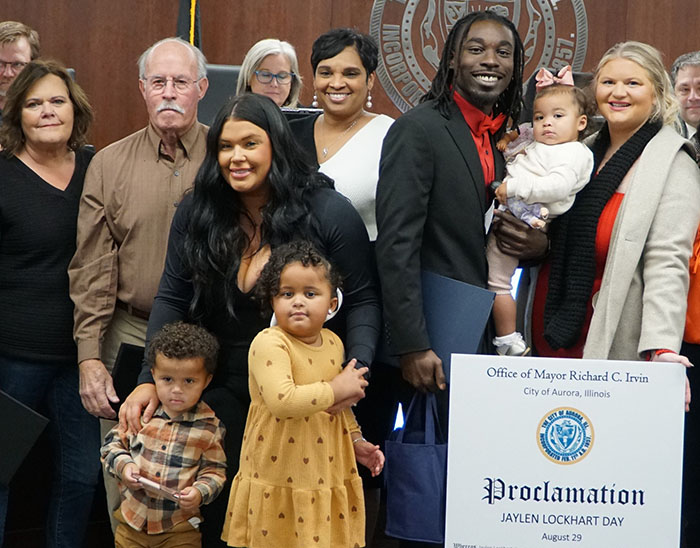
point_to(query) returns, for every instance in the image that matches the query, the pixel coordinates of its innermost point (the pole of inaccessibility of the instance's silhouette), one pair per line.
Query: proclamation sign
(555, 452)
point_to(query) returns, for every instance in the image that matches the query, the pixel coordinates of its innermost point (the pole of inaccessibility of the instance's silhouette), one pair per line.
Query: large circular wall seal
(411, 33)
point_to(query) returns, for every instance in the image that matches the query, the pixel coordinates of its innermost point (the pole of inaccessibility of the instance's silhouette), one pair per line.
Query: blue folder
(456, 314)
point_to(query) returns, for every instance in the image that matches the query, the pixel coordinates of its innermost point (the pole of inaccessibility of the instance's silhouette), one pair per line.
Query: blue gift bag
(415, 474)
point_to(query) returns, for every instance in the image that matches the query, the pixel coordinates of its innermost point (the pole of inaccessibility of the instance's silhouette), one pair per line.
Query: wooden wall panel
(102, 39)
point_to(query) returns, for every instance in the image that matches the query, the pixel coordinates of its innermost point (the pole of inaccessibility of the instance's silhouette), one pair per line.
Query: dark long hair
(215, 240)
(511, 100)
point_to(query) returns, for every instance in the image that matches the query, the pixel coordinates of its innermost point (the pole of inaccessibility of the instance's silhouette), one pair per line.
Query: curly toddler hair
(298, 251)
(181, 341)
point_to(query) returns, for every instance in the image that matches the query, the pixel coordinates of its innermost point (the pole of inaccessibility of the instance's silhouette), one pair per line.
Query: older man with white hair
(130, 194)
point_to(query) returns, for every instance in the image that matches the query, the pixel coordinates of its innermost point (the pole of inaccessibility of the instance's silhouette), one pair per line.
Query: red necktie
(489, 124)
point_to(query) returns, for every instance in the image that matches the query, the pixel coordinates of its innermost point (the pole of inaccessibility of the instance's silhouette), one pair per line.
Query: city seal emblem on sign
(565, 435)
(411, 34)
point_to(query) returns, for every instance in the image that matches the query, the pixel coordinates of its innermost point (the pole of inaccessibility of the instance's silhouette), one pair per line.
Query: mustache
(170, 105)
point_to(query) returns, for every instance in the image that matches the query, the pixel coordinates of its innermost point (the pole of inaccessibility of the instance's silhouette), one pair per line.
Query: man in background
(19, 44)
(685, 75)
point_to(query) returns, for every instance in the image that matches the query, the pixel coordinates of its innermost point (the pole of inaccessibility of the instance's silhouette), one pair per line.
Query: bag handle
(433, 430)
(432, 424)
(408, 413)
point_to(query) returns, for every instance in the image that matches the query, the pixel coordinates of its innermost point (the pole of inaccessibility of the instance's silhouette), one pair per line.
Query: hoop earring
(368, 104)
(314, 103)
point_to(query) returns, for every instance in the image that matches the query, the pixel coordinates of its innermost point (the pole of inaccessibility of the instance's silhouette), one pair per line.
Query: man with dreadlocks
(433, 196)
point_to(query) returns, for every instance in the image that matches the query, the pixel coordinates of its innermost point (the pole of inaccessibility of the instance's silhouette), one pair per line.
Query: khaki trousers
(183, 535)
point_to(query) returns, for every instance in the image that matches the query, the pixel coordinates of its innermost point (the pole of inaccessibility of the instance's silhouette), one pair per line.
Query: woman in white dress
(346, 139)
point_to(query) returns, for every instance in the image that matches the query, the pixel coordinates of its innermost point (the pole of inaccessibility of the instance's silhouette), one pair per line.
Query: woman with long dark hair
(253, 192)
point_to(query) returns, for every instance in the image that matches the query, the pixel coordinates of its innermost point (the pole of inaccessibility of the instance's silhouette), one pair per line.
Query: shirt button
(163, 447)
(157, 474)
(177, 172)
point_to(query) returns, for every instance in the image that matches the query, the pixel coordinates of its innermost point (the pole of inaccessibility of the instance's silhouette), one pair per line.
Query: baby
(541, 183)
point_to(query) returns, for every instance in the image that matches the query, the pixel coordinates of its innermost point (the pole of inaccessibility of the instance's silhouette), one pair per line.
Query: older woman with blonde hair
(271, 68)
(626, 242)
(42, 167)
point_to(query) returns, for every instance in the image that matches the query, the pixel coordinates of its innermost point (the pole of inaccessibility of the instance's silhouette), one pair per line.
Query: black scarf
(573, 238)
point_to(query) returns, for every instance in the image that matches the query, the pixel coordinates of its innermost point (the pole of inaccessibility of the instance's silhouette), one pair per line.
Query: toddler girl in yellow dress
(298, 485)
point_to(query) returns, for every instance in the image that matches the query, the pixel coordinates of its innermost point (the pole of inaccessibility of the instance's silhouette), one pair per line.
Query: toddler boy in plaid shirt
(180, 449)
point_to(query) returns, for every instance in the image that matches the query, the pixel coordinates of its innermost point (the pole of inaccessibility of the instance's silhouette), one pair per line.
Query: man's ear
(203, 87)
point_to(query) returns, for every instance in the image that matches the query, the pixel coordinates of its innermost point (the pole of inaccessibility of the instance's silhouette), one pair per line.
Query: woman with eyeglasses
(271, 68)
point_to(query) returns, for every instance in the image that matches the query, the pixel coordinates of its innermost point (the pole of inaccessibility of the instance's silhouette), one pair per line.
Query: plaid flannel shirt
(187, 450)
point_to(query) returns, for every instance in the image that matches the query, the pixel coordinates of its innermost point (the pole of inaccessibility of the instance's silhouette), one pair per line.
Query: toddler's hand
(502, 193)
(130, 476)
(190, 498)
(349, 383)
(369, 455)
(339, 406)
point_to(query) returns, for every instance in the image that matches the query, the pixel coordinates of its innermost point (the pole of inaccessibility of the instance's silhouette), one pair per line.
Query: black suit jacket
(431, 202)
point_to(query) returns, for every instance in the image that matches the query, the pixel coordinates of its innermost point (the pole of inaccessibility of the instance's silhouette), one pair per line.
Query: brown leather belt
(142, 314)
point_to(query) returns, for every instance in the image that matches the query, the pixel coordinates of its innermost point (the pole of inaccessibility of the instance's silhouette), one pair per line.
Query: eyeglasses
(14, 66)
(158, 83)
(265, 76)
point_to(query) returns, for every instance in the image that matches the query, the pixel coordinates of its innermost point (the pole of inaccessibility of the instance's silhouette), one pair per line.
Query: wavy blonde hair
(666, 107)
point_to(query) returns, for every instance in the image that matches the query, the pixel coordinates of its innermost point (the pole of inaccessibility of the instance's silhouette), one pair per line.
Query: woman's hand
(348, 385)
(138, 407)
(369, 455)
(518, 239)
(672, 357)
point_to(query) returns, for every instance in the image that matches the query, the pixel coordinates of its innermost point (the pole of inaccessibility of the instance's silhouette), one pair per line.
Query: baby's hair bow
(544, 78)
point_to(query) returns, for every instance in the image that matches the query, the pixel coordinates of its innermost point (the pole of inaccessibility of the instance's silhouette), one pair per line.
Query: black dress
(342, 238)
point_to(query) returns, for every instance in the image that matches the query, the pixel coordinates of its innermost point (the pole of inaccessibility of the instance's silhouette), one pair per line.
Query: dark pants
(691, 454)
(75, 440)
(231, 408)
